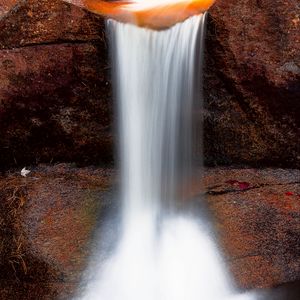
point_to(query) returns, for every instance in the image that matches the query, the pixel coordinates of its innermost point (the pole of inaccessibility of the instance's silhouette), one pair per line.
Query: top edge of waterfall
(196, 19)
(153, 14)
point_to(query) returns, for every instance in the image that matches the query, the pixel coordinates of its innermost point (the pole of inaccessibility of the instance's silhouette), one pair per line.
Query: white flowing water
(163, 253)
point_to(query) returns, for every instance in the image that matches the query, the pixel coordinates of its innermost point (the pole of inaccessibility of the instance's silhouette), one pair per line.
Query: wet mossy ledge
(56, 98)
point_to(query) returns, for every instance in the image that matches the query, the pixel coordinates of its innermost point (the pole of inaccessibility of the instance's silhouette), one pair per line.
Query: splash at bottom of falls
(180, 262)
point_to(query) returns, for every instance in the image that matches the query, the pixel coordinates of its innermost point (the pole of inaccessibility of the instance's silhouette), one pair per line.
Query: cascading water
(155, 82)
(163, 253)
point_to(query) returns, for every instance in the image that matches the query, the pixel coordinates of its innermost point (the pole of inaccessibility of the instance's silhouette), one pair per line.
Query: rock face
(6, 5)
(257, 214)
(55, 95)
(48, 217)
(253, 83)
(46, 223)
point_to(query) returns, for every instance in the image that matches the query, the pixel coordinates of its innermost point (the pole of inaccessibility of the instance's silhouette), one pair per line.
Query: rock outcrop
(55, 94)
(47, 220)
(55, 97)
(6, 5)
(252, 83)
(257, 214)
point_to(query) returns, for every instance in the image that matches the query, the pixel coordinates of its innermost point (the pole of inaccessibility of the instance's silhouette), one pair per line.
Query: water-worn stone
(257, 214)
(6, 6)
(32, 22)
(49, 217)
(54, 93)
(251, 84)
(46, 223)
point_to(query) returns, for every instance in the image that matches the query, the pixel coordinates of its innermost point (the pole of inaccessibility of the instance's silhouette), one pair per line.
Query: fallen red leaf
(244, 185)
(289, 193)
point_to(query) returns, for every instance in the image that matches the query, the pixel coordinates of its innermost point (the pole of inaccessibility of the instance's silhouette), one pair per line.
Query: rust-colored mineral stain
(150, 14)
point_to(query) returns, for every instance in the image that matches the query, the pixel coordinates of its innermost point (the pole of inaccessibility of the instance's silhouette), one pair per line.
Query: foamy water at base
(181, 263)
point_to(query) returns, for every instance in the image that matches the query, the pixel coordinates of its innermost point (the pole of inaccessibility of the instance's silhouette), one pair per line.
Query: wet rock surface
(6, 6)
(252, 83)
(52, 105)
(33, 22)
(55, 95)
(48, 219)
(257, 216)
(55, 99)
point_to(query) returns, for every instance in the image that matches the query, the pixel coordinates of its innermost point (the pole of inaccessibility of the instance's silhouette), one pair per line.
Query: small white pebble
(25, 172)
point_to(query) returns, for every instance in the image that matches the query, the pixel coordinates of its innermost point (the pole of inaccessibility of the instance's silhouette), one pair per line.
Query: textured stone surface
(52, 213)
(257, 214)
(253, 82)
(54, 93)
(38, 22)
(6, 6)
(54, 105)
(46, 223)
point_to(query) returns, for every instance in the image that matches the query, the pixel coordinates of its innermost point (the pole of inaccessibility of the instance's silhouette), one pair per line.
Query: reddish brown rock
(6, 6)
(259, 225)
(46, 223)
(253, 83)
(47, 219)
(54, 105)
(39, 22)
(54, 92)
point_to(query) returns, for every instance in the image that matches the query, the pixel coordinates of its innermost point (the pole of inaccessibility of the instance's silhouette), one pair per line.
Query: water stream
(165, 250)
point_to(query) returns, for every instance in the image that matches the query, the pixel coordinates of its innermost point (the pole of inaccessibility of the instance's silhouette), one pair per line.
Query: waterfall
(156, 85)
(163, 253)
